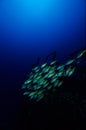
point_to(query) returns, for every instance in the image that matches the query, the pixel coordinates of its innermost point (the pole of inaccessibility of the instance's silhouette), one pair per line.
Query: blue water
(32, 28)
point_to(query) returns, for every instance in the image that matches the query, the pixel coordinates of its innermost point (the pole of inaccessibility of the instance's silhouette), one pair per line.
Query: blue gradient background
(32, 28)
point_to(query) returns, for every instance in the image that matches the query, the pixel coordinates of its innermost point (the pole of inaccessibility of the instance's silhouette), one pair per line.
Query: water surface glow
(42, 25)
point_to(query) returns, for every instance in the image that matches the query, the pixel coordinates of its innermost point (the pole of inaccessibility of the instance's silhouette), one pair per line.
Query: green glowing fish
(26, 93)
(46, 69)
(27, 81)
(32, 94)
(45, 85)
(36, 68)
(31, 75)
(54, 62)
(53, 80)
(43, 65)
(50, 75)
(61, 67)
(70, 62)
(81, 54)
(39, 97)
(39, 77)
(60, 83)
(46, 76)
(56, 84)
(70, 71)
(35, 75)
(35, 81)
(60, 73)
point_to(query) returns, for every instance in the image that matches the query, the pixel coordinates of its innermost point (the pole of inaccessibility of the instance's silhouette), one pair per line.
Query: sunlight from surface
(42, 19)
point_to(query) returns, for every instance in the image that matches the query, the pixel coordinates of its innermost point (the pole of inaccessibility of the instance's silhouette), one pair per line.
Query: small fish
(46, 76)
(52, 70)
(60, 67)
(43, 65)
(41, 81)
(26, 93)
(52, 63)
(27, 81)
(81, 54)
(61, 73)
(36, 68)
(55, 84)
(53, 80)
(70, 71)
(40, 92)
(55, 75)
(39, 97)
(70, 62)
(39, 77)
(60, 83)
(46, 69)
(31, 75)
(40, 73)
(32, 94)
(45, 81)
(45, 85)
(50, 75)
(36, 87)
(35, 81)
(35, 75)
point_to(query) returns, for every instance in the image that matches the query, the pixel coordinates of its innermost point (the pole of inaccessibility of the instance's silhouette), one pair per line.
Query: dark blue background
(32, 28)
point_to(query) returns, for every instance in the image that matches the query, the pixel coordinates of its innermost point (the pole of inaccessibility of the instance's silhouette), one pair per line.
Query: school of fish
(48, 77)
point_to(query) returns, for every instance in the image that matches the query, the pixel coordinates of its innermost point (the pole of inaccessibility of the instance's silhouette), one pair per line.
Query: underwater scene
(42, 64)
